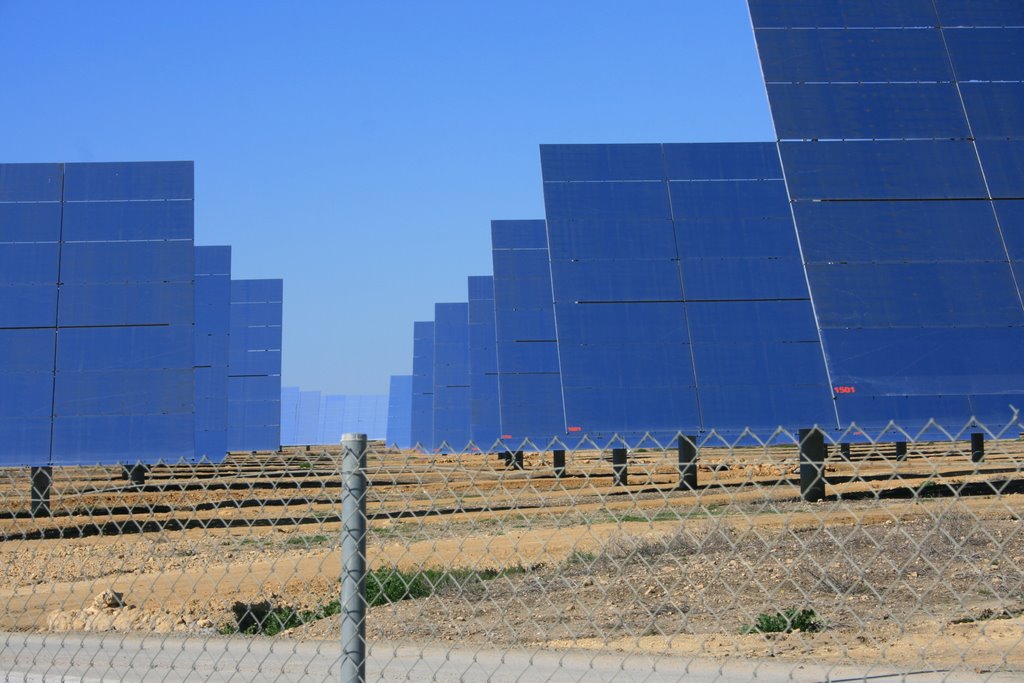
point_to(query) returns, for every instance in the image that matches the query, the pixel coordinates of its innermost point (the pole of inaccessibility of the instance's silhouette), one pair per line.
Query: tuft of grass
(788, 621)
(581, 557)
(314, 539)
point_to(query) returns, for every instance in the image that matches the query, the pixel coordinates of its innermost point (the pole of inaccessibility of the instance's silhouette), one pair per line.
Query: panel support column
(977, 447)
(42, 481)
(518, 460)
(688, 462)
(812, 464)
(620, 471)
(136, 473)
(558, 456)
(901, 450)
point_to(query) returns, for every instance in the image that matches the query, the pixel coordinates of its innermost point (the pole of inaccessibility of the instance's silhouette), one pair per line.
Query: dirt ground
(917, 563)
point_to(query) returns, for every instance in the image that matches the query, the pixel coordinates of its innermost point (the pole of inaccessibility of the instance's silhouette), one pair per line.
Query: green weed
(785, 622)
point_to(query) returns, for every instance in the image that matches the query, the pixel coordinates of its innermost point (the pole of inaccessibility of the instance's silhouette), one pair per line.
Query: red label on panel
(575, 429)
(846, 390)
(506, 436)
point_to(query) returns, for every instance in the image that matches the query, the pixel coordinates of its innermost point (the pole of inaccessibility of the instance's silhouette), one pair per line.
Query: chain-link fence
(703, 560)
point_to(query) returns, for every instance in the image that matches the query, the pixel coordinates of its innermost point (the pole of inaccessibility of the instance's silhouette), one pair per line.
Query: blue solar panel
(257, 291)
(127, 304)
(529, 381)
(733, 162)
(987, 54)
(452, 412)
(842, 13)
(289, 416)
(1004, 167)
(127, 220)
(29, 221)
(1011, 219)
(631, 360)
(914, 295)
(867, 110)
(29, 263)
(861, 56)
(124, 392)
(891, 231)
(916, 298)
(996, 110)
(123, 438)
(28, 306)
(913, 169)
(360, 414)
(24, 441)
(163, 180)
(309, 417)
(254, 368)
(980, 12)
(125, 348)
(31, 182)
(879, 361)
(423, 385)
(212, 347)
(485, 412)
(29, 350)
(607, 200)
(26, 394)
(117, 262)
(593, 239)
(122, 342)
(399, 427)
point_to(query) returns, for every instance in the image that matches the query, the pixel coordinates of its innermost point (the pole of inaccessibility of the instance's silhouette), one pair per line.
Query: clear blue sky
(360, 149)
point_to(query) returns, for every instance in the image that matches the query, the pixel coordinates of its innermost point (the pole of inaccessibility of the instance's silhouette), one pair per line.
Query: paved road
(112, 657)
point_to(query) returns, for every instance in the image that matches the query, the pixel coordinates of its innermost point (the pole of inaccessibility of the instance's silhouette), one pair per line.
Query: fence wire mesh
(566, 562)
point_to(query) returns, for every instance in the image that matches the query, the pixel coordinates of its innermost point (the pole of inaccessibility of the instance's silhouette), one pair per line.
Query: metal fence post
(353, 558)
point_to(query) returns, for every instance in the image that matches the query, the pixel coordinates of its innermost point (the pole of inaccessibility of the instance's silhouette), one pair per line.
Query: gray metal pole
(353, 558)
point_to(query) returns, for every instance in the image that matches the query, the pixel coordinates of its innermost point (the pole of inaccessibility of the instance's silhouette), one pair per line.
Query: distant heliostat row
(865, 267)
(309, 417)
(120, 340)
